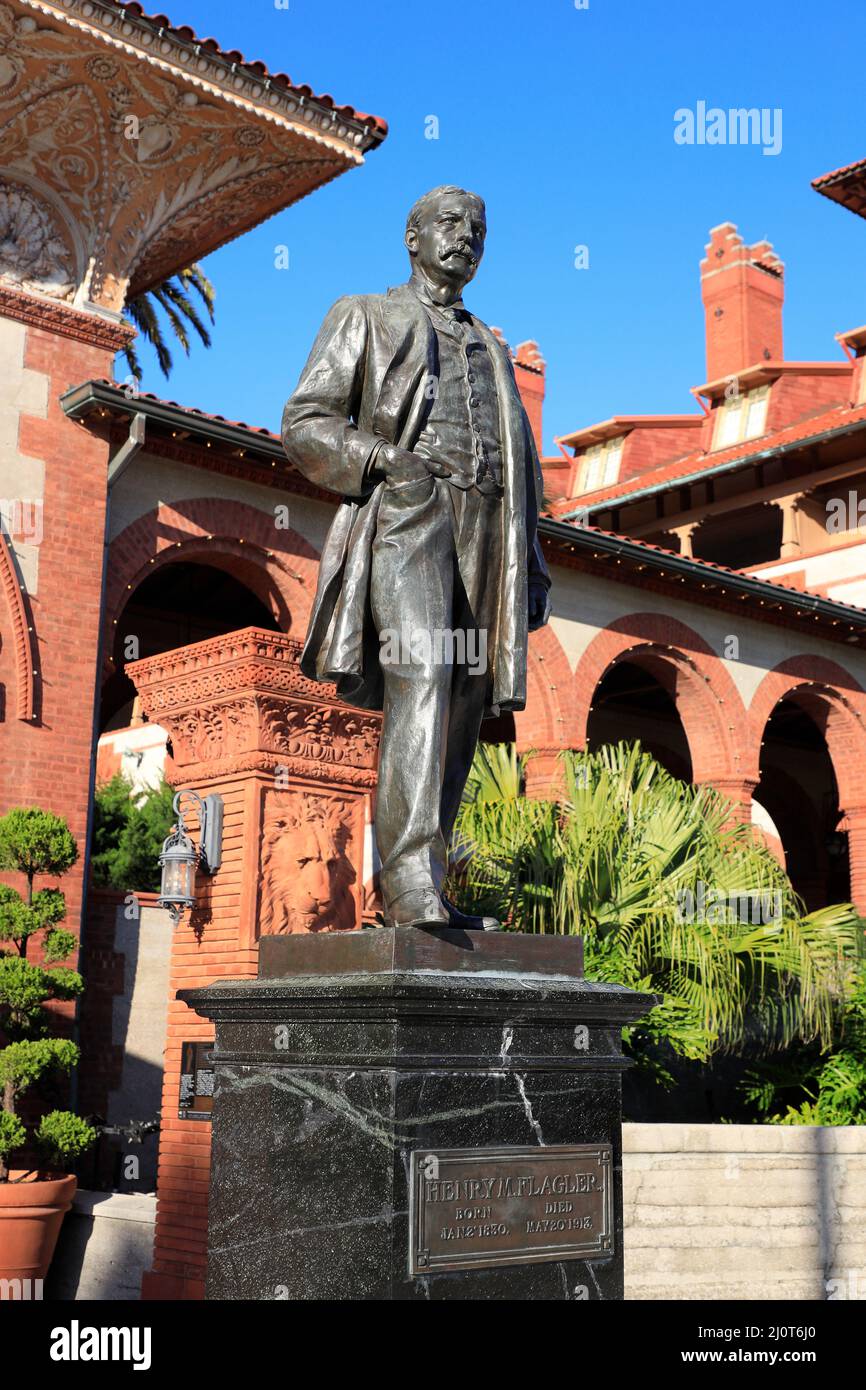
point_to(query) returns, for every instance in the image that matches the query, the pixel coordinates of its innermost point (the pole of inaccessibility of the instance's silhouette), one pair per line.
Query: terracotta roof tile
(681, 469)
(281, 79)
(194, 411)
(857, 167)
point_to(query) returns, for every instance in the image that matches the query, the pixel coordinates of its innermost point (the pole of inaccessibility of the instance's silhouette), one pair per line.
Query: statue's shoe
(467, 921)
(420, 907)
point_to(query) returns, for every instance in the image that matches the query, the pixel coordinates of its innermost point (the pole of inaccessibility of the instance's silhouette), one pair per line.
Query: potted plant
(34, 1196)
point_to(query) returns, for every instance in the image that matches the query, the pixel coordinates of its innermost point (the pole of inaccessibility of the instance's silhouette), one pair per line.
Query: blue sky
(563, 119)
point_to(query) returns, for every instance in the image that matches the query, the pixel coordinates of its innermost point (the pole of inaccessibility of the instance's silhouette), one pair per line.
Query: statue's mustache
(458, 250)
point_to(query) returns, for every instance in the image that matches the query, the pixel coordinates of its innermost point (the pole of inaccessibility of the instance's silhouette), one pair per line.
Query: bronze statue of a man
(432, 575)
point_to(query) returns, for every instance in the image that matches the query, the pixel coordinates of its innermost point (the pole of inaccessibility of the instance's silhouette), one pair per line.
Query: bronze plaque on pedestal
(473, 1208)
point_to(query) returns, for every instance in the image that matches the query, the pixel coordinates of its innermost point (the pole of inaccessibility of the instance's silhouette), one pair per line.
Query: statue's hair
(418, 209)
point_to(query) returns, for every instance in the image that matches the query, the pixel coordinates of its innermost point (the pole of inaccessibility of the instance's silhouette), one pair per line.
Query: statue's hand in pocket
(401, 467)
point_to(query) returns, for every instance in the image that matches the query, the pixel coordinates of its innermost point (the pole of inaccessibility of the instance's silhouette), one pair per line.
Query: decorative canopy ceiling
(129, 149)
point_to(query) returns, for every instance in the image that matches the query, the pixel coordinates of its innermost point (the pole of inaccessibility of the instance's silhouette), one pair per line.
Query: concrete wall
(152, 481)
(125, 963)
(744, 1212)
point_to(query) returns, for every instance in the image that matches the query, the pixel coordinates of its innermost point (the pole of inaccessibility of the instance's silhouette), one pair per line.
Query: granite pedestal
(416, 1114)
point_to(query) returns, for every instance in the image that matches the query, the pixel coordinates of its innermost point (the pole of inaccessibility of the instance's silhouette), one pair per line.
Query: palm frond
(194, 275)
(172, 299)
(184, 304)
(664, 889)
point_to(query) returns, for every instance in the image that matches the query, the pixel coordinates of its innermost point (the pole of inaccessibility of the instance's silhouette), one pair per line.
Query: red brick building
(709, 570)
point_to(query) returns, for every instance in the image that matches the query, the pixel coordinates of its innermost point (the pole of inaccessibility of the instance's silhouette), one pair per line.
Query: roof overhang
(750, 459)
(853, 338)
(846, 186)
(98, 403)
(131, 148)
(763, 372)
(624, 424)
(630, 561)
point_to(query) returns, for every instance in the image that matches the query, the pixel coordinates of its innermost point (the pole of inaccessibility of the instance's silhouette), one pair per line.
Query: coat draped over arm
(366, 382)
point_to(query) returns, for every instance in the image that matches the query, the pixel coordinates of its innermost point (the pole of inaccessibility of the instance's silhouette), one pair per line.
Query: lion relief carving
(307, 877)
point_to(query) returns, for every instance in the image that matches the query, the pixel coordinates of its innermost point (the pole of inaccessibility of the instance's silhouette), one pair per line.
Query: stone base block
(414, 1114)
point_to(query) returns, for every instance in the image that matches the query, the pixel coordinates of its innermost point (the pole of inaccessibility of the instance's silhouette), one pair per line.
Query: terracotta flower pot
(31, 1214)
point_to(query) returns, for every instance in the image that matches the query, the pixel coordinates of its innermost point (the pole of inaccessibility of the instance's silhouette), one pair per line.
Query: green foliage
(617, 862)
(24, 988)
(15, 917)
(172, 297)
(65, 984)
(58, 944)
(110, 816)
(128, 835)
(63, 1137)
(811, 1087)
(20, 920)
(24, 1063)
(36, 842)
(12, 1134)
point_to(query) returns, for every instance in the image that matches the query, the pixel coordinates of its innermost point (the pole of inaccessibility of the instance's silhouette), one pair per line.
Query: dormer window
(742, 417)
(600, 465)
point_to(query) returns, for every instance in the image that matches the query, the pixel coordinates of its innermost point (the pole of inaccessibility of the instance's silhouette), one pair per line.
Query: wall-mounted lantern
(180, 859)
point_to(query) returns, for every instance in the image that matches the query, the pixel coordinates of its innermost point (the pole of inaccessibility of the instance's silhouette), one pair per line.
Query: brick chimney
(743, 288)
(529, 369)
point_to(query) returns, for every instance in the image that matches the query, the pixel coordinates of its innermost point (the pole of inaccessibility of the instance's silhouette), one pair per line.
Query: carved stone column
(296, 771)
(790, 509)
(686, 535)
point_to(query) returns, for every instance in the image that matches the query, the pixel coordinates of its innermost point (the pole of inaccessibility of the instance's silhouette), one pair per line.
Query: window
(742, 417)
(600, 465)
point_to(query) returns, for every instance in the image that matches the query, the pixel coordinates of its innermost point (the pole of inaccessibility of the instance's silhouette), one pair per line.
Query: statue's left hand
(539, 606)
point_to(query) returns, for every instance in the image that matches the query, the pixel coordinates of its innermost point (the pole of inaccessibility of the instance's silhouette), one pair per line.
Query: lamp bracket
(210, 819)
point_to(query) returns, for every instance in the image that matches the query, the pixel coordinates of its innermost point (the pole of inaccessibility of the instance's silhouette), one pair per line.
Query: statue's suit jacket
(367, 379)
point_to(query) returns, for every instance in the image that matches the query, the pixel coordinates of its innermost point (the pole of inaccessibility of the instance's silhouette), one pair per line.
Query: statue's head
(445, 233)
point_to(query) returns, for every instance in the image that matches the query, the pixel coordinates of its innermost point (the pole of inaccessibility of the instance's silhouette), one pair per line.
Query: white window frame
(599, 466)
(742, 417)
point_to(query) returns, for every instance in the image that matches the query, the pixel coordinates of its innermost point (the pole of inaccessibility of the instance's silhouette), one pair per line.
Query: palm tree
(172, 297)
(655, 878)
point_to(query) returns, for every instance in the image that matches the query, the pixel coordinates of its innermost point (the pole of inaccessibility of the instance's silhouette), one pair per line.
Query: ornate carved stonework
(56, 316)
(241, 701)
(320, 733)
(308, 879)
(238, 705)
(155, 152)
(34, 252)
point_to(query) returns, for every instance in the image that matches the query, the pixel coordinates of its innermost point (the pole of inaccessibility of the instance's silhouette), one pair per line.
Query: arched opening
(798, 789)
(630, 703)
(177, 604)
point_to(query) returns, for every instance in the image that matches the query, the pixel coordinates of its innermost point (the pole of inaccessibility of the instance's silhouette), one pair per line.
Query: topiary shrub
(34, 842)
